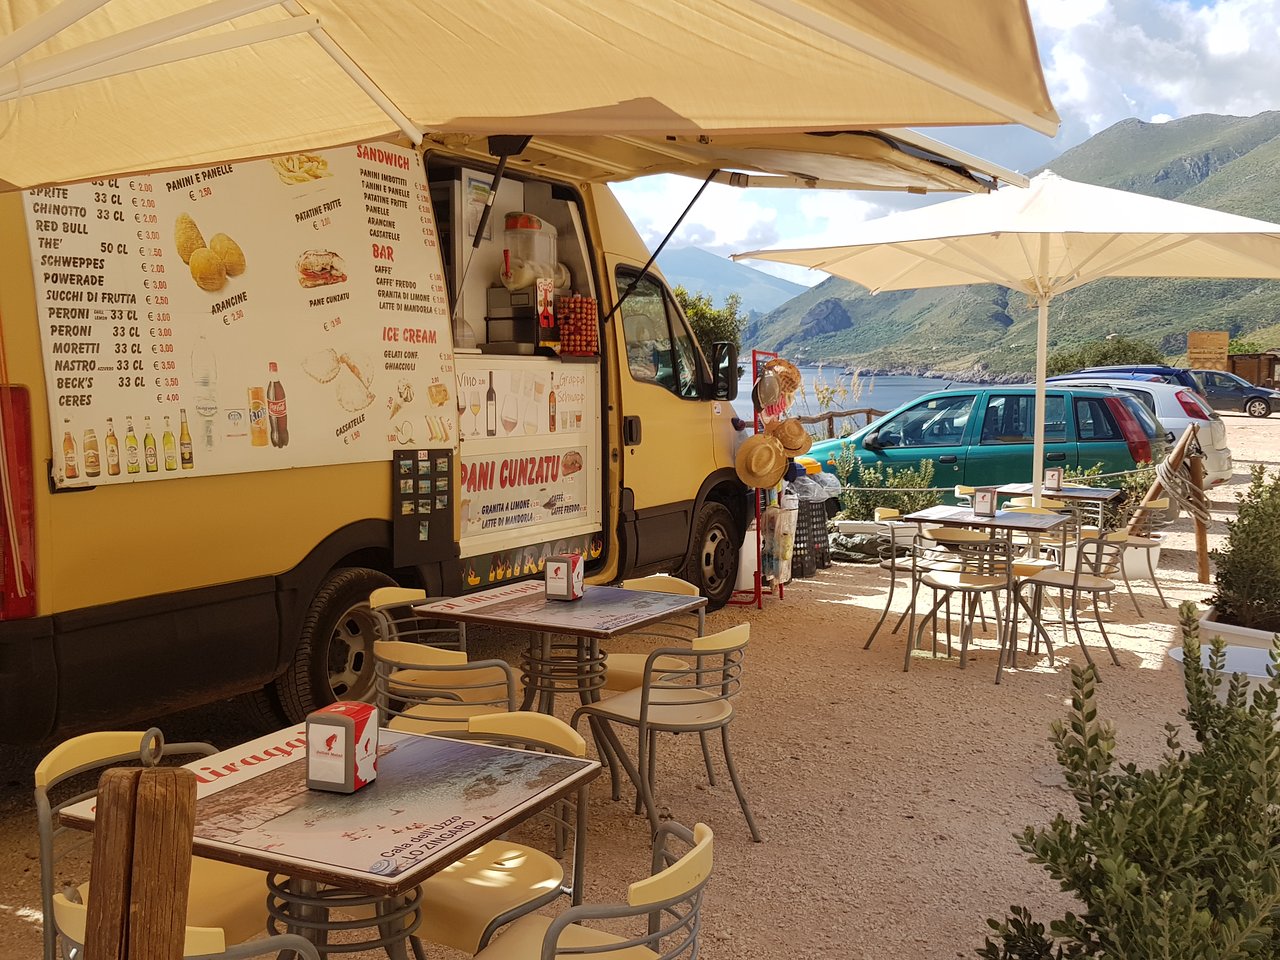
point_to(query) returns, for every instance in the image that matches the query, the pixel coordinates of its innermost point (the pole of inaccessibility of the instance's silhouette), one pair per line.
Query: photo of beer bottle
(277, 411)
(132, 464)
(70, 459)
(113, 450)
(92, 462)
(149, 456)
(551, 406)
(259, 433)
(184, 441)
(170, 447)
(491, 410)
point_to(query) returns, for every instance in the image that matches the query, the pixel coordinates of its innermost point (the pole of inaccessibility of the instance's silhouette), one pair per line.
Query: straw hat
(787, 374)
(761, 461)
(766, 392)
(792, 435)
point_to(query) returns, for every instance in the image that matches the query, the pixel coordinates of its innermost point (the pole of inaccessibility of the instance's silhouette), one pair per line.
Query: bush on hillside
(1104, 353)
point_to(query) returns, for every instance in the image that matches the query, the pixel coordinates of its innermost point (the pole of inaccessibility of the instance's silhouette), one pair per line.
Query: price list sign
(422, 506)
(279, 313)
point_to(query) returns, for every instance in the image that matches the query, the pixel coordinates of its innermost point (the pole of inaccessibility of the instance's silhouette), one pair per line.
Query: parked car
(1175, 407)
(983, 435)
(1226, 391)
(1168, 374)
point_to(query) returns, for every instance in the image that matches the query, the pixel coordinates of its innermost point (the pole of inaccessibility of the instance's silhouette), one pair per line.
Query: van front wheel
(712, 563)
(334, 658)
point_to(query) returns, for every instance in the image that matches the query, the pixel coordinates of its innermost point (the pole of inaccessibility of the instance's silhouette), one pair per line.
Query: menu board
(253, 316)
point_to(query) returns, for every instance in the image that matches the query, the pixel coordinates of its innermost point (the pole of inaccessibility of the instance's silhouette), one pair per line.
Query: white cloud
(1161, 118)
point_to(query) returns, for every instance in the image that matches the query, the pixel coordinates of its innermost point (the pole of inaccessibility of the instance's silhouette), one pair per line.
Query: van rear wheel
(712, 563)
(334, 658)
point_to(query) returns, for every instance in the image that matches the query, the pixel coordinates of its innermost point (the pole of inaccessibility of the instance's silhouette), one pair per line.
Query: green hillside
(1228, 163)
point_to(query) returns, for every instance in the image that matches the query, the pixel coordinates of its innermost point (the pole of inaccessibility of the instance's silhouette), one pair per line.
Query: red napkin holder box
(342, 746)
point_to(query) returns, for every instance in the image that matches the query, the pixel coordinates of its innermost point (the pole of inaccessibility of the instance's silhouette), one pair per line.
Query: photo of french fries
(300, 167)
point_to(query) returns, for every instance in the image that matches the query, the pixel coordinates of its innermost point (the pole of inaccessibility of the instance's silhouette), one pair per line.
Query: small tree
(710, 323)
(1242, 345)
(1113, 351)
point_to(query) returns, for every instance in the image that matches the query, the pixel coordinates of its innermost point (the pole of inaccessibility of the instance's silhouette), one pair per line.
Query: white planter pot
(1134, 561)
(1248, 660)
(1234, 636)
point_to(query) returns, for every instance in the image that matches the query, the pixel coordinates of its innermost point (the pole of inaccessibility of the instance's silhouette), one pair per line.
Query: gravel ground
(887, 800)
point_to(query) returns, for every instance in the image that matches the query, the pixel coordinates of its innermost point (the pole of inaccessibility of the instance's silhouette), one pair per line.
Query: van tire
(261, 707)
(712, 563)
(334, 657)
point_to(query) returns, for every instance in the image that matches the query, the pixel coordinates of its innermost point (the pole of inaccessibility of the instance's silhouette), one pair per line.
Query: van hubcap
(717, 558)
(350, 660)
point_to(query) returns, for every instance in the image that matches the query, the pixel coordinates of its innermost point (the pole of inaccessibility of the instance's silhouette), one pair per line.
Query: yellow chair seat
(625, 671)
(460, 902)
(1145, 543)
(227, 896)
(522, 940)
(1029, 567)
(663, 712)
(944, 580)
(1065, 578)
(481, 682)
(434, 717)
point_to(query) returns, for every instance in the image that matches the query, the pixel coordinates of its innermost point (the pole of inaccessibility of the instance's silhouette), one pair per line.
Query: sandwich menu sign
(278, 313)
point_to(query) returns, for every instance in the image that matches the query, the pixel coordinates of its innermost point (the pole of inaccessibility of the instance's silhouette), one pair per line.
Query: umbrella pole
(1042, 358)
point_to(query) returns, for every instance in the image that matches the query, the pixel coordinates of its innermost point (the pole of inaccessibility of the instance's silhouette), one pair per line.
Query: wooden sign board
(1207, 349)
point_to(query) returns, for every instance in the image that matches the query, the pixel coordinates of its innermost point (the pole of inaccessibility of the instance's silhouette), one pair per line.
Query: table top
(602, 612)
(1003, 520)
(434, 801)
(1066, 493)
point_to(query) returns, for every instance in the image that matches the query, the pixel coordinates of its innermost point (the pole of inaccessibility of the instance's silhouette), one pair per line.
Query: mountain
(1227, 163)
(700, 271)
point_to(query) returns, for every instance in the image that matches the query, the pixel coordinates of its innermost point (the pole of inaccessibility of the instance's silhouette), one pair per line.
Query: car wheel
(712, 563)
(1257, 407)
(334, 657)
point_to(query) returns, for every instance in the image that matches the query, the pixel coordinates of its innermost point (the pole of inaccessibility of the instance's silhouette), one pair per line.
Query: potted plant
(1178, 861)
(1246, 609)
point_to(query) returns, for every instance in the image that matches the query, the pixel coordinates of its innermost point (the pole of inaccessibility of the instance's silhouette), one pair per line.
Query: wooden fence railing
(831, 416)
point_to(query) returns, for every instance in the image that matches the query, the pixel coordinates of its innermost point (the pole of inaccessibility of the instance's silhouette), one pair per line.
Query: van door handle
(947, 458)
(1055, 457)
(630, 431)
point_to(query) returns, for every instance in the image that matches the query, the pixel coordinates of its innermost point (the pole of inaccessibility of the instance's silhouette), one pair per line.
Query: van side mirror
(724, 371)
(872, 440)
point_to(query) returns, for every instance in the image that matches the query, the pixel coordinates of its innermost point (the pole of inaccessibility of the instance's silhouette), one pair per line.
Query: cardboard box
(564, 576)
(342, 746)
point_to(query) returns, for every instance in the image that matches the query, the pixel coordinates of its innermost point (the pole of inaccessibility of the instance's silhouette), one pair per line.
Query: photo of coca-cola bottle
(277, 412)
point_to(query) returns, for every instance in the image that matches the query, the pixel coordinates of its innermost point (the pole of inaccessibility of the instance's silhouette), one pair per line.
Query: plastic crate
(812, 551)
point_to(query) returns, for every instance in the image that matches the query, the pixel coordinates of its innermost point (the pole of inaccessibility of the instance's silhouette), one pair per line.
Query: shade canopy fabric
(617, 88)
(1045, 239)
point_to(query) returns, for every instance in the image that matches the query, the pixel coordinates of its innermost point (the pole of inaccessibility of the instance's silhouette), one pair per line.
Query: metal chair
(424, 689)
(671, 899)
(396, 618)
(227, 903)
(1097, 560)
(467, 902)
(694, 699)
(625, 671)
(975, 568)
(1141, 535)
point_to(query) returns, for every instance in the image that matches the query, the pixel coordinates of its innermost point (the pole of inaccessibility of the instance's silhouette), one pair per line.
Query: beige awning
(620, 88)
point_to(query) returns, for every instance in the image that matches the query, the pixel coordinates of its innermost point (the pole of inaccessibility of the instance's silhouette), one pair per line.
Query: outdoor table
(434, 801)
(1078, 494)
(549, 667)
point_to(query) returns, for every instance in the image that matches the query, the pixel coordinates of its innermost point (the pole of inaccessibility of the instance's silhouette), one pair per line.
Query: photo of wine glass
(510, 412)
(475, 412)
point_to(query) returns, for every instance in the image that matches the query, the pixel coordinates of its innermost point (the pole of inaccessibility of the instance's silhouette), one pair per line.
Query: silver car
(1176, 407)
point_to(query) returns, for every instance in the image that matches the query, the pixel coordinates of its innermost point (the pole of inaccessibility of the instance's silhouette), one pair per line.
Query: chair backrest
(671, 898)
(951, 536)
(886, 513)
(538, 730)
(1047, 502)
(714, 675)
(429, 686)
(82, 754)
(992, 558)
(1100, 556)
(1148, 516)
(660, 583)
(396, 619)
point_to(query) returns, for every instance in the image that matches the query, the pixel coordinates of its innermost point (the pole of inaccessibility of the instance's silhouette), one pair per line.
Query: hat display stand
(763, 363)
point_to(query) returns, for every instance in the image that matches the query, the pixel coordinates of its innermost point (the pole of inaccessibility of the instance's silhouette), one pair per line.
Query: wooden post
(1202, 532)
(1175, 459)
(141, 870)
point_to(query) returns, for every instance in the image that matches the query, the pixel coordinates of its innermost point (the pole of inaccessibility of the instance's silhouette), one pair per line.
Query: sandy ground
(887, 799)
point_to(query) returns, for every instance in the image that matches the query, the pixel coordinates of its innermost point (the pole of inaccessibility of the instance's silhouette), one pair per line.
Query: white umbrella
(610, 89)
(1043, 240)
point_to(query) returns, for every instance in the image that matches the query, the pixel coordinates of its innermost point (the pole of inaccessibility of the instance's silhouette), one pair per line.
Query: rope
(1177, 484)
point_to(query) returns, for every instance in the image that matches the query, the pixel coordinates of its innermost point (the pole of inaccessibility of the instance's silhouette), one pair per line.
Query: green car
(981, 436)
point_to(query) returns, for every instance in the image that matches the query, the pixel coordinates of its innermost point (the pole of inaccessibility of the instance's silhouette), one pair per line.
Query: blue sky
(1104, 61)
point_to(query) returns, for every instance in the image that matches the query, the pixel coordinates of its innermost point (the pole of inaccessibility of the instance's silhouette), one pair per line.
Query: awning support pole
(48, 24)
(670, 233)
